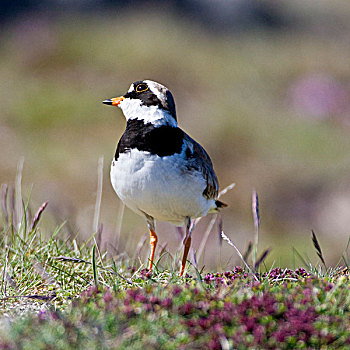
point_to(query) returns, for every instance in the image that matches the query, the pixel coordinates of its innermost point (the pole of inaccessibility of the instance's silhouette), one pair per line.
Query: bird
(159, 171)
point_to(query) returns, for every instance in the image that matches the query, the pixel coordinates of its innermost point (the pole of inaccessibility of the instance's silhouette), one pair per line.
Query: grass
(57, 292)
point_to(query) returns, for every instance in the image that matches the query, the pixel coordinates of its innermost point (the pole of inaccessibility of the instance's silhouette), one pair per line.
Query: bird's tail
(218, 206)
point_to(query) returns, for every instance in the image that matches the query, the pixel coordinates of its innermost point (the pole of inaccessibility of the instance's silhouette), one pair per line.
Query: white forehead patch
(131, 88)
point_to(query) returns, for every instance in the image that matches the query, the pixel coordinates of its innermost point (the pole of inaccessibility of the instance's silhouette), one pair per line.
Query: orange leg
(153, 242)
(187, 244)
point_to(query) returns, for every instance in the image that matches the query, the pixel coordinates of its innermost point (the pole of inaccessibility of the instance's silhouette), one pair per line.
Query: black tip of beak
(107, 102)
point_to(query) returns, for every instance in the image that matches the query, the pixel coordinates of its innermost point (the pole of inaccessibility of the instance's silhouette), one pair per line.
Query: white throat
(133, 109)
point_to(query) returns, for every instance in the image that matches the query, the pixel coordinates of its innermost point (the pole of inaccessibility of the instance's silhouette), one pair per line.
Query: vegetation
(302, 312)
(272, 109)
(57, 293)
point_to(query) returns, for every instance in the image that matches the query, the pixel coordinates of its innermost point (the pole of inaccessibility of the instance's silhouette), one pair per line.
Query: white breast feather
(161, 187)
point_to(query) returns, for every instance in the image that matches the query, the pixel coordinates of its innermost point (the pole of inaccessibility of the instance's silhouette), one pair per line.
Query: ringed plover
(159, 171)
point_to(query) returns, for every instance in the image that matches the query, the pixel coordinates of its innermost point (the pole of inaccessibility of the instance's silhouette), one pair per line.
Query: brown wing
(201, 161)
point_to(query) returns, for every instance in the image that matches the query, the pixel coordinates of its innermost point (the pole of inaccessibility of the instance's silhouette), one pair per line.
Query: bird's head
(148, 101)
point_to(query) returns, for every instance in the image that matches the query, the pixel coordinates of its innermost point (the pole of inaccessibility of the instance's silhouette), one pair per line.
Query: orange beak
(114, 101)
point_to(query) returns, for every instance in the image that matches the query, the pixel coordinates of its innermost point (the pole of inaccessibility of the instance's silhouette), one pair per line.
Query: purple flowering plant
(224, 308)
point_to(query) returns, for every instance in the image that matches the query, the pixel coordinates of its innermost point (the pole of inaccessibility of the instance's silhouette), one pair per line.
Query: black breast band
(163, 141)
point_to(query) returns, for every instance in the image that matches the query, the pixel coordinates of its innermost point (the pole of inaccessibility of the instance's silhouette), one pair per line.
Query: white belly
(161, 187)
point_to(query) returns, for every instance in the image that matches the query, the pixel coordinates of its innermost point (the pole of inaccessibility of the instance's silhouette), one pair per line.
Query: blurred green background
(264, 86)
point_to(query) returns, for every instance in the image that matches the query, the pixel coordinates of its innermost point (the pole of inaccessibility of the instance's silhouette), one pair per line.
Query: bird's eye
(141, 87)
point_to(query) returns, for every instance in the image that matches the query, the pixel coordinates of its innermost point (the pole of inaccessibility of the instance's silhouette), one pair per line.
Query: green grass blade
(94, 267)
